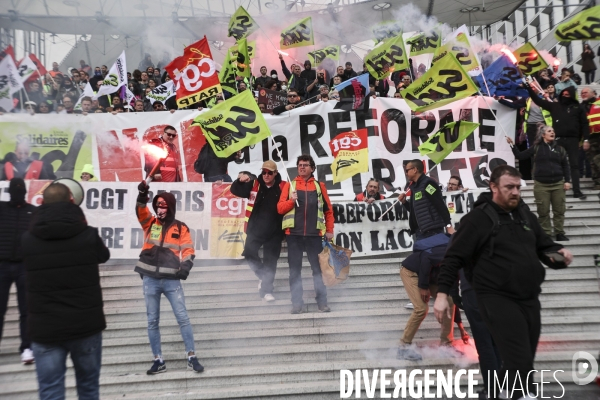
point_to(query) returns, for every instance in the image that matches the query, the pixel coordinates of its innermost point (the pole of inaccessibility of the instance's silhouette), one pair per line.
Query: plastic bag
(335, 263)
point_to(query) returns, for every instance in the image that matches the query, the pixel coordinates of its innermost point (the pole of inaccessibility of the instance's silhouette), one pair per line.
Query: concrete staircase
(253, 349)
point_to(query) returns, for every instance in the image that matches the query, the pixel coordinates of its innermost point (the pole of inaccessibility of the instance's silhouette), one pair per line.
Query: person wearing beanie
(87, 173)
(15, 216)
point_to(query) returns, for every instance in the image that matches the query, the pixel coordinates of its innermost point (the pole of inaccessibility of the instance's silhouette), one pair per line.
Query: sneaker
(193, 364)
(268, 297)
(297, 310)
(561, 238)
(410, 306)
(324, 308)
(27, 357)
(579, 196)
(157, 367)
(406, 353)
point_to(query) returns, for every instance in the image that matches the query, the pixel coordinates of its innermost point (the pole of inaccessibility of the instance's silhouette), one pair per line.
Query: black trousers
(571, 145)
(489, 357)
(263, 269)
(515, 327)
(14, 272)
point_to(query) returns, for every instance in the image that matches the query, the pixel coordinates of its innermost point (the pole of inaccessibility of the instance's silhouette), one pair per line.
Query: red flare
(510, 55)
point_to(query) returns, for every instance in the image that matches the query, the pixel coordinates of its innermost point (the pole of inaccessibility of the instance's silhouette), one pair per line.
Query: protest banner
(271, 98)
(116, 77)
(529, 59)
(215, 218)
(386, 29)
(424, 43)
(386, 58)
(394, 134)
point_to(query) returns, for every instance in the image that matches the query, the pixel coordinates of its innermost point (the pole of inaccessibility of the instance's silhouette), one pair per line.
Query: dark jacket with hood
(507, 264)
(168, 250)
(568, 118)
(428, 210)
(61, 255)
(15, 216)
(551, 164)
(264, 221)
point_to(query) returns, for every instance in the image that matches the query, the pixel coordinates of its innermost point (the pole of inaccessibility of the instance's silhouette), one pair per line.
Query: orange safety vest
(594, 117)
(33, 171)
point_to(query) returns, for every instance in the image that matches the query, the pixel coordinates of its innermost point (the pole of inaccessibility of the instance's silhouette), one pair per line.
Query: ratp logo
(584, 368)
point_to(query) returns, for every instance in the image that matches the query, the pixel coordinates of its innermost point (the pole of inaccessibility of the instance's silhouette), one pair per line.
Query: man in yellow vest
(591, 105)
(307, 218)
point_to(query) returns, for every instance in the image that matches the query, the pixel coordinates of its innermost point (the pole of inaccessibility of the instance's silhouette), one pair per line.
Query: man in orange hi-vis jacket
(167, 256)
(307, 219)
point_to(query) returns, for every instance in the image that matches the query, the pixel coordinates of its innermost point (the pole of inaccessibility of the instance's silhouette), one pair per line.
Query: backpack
(201, 164)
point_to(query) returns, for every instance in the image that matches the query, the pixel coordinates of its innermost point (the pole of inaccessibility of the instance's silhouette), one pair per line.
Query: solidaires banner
(426, 42)
(298, 34)
(386, 58)
(241, 24)
(215, 218)
(115, 143)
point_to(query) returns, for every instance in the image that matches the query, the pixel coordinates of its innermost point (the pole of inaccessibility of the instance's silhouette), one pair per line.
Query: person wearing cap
(262, 224)
(87, 173)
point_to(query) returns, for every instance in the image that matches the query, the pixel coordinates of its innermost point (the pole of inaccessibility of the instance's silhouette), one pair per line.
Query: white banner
(216, 218)
(394, 137)
(358, 226)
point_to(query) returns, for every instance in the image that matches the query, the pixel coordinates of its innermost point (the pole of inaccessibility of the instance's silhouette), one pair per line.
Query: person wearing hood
(500, 244)
(551, 179)
(167, 257)
(371, 193)
(64, 298)
(349, 72)
(15, 216)
(570, 123)
(263, 224)
(146, 62)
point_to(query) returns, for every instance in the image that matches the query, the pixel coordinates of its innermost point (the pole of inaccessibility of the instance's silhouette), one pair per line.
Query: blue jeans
(173, 291)
(51, 365)
(14, 272)
(296, 246)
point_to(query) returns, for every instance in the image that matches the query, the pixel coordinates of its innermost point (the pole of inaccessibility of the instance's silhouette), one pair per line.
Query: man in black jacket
(570, 123)
(15, 216)
(64, 297)
(263, 224)
(500, 244)
(295, 80)
(293, 99)
(428, 217)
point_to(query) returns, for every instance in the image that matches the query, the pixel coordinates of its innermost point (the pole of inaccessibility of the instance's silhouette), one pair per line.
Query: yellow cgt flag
(234, 124)
(444, 83)
(583, 26)
(351, 154)
(298, 34)
(241, 24)
(444, 141)
(529, 60)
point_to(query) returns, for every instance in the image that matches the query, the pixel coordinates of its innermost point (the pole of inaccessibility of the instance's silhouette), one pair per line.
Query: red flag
(8, 51)
(195, 74)
(39, 64)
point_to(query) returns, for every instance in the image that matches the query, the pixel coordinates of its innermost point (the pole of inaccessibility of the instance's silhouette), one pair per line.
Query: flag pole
(287, 176)
(398, 200)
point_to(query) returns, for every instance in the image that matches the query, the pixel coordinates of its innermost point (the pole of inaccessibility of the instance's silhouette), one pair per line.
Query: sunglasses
(292, 95)
(162, 204)
(171, 135)
(267, 172)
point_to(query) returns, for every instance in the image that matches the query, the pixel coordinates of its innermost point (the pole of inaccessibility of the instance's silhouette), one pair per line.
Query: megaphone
(76, 190)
